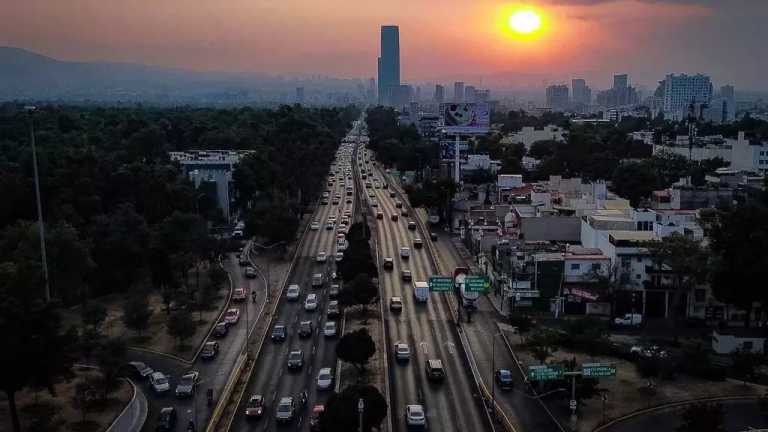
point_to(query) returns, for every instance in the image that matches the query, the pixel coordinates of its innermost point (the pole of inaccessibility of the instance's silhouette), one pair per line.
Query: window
(576, 266)
(596, 267)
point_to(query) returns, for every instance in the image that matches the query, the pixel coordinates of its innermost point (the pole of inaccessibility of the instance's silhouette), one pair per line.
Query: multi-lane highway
(271, 377)
(451, 405)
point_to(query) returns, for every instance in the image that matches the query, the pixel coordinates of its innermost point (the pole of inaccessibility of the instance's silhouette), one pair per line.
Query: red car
(314, 418)
(240, 294)
(232, 316)
(255, 407)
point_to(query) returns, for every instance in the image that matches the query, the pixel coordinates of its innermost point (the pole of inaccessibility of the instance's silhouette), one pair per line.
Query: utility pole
(41, 227)
(360, 410)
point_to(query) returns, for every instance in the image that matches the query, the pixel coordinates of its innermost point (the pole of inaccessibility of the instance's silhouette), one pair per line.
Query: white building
(482, 162)
(680, 91)
(742, 154)
(529, 135)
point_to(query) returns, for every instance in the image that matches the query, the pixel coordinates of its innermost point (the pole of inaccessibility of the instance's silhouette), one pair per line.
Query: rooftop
(639, 236)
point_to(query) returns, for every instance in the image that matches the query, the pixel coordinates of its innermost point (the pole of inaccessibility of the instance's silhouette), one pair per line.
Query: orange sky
(439, 38)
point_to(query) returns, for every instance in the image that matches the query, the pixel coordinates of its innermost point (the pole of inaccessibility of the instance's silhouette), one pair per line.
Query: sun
(524, 22)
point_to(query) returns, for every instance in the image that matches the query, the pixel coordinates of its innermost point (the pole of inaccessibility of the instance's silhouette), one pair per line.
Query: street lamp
(493, 372)
(360, 410)
(30, 111)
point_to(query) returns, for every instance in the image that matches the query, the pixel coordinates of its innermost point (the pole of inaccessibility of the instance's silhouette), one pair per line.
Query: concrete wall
(551, 228)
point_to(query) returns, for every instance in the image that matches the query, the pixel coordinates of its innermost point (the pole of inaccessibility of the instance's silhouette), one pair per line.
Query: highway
(213, 373)
(452, 405)
(271, 377)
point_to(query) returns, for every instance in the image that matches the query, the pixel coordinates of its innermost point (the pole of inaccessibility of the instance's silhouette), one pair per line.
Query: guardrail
(133, 416)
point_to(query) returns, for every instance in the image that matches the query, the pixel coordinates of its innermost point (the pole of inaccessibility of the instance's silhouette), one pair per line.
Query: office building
(389, 62)
(682, 91)
(483, 95)
(458, 91)
(470, 93)
(400, 95)
(581, 94)
(728, 93)
(620, 81)
(371, 93)
(300, 95)
(557, 97)
(621, 94)
(439, 93)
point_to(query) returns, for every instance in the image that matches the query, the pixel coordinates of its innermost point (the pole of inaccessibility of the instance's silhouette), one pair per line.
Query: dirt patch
(628, 391)
(39, 410)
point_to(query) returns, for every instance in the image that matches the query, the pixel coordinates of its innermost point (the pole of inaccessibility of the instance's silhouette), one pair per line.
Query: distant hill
(30, 76)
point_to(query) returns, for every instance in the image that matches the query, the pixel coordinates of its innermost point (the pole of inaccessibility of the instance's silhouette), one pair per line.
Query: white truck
(468, 298)
(630, 319)
(421, 291)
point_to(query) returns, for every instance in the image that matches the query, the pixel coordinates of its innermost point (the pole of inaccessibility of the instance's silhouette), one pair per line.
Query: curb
(671, 405)
(114, 427)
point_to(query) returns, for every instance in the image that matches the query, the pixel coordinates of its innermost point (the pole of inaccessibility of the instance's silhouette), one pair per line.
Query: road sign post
(598, 370)
(440, 283)
(545, 372)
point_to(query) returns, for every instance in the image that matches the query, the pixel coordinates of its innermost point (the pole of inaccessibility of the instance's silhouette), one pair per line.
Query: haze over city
(440, 40)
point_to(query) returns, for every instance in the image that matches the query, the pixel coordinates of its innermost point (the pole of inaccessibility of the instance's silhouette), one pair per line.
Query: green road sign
(478, 284)
(593, 370)
(441, 283)
(545, 372)
(394, 173)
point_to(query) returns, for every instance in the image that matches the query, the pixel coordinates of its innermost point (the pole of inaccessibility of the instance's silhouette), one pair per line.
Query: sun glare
(524, 22)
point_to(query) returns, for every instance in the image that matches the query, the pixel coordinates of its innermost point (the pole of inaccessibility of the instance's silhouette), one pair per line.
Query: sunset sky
(440, 39)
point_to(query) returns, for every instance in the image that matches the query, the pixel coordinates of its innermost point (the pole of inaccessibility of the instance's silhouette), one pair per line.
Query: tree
(542, 149)
(745, 364)
(357, 258)
(356, 347)
(703, 417)
(93, 314)
(136, 313)
(634, 181)
(110, 357)
(542, 345)
(359, 292)
(648, 368)
(181, 326)
(341, 412)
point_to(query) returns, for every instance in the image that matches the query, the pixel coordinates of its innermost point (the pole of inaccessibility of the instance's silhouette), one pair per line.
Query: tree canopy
(341, 412)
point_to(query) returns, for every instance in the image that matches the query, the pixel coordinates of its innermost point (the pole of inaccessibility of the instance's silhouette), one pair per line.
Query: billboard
(448, 149)
(465, 118)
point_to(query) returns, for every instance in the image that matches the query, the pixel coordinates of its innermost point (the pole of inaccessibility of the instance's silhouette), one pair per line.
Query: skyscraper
(470, 93)
(728, 93)
(458, 91)
(620, 81)
(300, 95)
(439, 93)
(557, 97)
(389, 62)
(680, 91)
(580, 93)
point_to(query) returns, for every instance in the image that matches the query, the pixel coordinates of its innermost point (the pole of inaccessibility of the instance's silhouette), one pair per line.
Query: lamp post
(41, 227)
(360, 410)
(493, 371)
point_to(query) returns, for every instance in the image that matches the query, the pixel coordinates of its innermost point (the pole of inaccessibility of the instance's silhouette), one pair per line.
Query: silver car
(187, 384)
(325, 379)
(285, 410)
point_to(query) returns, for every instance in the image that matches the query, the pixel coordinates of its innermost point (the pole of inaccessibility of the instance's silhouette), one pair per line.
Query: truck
(421, 291)
(630, 319)
(468, 299)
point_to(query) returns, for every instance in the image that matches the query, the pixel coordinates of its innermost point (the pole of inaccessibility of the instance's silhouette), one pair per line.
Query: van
(434, 369)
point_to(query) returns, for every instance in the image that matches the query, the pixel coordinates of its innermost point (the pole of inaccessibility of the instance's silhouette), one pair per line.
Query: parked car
(305, 329)
(285, 409)
(293, 292)
(504, 379)
(159, 382)
(209, 351)
(278, 333)
(167, 419)
(630, 319)
(325, 379)
(239, 294)
(140, 369)
(295, 359)
(330, 329)
(402, 352)
(232, 316)
(221, 329)
(187, 384)
(395, 304)
(255, 406)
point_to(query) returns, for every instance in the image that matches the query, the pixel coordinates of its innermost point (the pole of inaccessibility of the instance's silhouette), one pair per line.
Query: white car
(405, 253)
(159, 382)
(325, 379)
(339, 256)
(322, 257)
(330, 329)
(402, 352)
(415, 416)
(310, 303)
(315, 226)
(293, 293)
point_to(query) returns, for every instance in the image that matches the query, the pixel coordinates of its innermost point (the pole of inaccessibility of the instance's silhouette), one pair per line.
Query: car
(295, 359)
(418, 243)
(324, 201)
(405, 253)
(391, 193)
(285, 410)
(402, 352)
(315, 226)
(433, 236)
(388, 263)
(159, 382)
(239, 294)
(317, 280)
(250, 272)
(242, 260)
(187, 384)
(325, 379)
(221, 329)
(255, 406)
(403, 212)
(395, 304)
(374, 203)
(232, 316)
(333, 309)
(398, 204)
(314, 417)
(379, 215)
(504, 379)
(406, 275)
(305, 329)
(167, 419)
(339, 256)
(140, 369)
(394, 217)
(278, 333)
(333, 291)
(335, 202)
(293, 292)
(329, 226)
(434, 369)
(349, 201)
(415, 416)
(329, 330)
(209, 351)
(347, 213)
(321, 257)
(310, 303)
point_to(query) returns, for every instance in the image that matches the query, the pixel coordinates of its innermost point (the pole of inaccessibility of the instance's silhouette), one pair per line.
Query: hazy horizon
(591, 39)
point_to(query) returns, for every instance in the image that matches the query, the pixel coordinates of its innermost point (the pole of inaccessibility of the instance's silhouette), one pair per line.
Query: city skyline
(661, 38)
